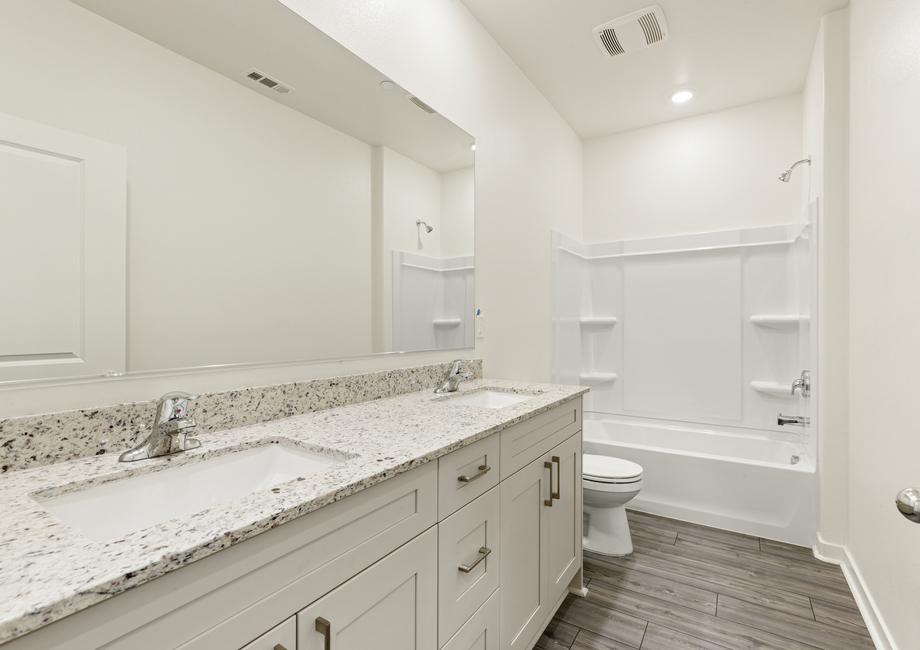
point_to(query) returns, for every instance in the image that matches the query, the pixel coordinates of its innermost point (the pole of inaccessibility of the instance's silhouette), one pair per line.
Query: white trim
(428, 268)
(836, 554)
(715, 240)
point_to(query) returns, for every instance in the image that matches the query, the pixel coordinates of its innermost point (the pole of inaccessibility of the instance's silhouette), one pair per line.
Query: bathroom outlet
(479, 326)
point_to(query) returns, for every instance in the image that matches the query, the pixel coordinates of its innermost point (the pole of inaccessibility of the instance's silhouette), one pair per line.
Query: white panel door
(62, 268)
(563, 553)
(392, 605)
(524, 584)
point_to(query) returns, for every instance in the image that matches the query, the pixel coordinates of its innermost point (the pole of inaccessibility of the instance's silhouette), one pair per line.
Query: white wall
(457, 210)
(229, 226)
(528, 181)
(885, 305)
(711, 172)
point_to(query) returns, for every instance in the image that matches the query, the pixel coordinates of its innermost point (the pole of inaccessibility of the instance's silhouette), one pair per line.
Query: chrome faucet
(453, 377)
(169, 433)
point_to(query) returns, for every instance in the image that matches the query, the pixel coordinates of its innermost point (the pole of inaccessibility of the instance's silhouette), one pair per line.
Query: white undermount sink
(491, 399)
(113, 510)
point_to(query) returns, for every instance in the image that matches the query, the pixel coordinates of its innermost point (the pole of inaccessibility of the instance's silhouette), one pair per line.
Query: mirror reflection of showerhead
(786, 175)
(419, 222)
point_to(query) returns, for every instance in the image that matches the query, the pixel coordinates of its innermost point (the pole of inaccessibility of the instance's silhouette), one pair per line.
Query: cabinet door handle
(278, 646)
(482, 472)
(483, 554)
(555, 495)
(325, 628)
(549, 501)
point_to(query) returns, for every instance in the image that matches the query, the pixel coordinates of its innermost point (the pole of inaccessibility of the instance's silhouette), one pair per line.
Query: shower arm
(803, 160)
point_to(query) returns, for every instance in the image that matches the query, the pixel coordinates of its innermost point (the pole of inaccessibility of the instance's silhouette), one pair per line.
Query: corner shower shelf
(597, 322)
(779, 322)
(772, 388)
(597, 377)
(446, 323)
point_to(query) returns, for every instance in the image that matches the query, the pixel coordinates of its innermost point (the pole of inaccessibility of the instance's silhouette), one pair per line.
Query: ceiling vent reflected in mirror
(268, 82)
(412, 99)
(632, 32)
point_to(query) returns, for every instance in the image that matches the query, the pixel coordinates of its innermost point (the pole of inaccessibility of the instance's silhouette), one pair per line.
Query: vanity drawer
(468, 562)
(460, 479)
(284, 635)
(528, 440)
(481, 631)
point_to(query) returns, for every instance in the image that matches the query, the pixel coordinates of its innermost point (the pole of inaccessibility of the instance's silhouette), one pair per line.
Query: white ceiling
(731, 52)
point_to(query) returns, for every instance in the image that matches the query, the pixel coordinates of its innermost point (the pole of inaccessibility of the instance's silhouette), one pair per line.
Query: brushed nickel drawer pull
(483, 554)
(482, 472)
(325, 628)
(549, 501)
(558, 491)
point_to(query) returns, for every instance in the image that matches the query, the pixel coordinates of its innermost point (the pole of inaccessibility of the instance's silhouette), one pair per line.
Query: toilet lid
(605, 467)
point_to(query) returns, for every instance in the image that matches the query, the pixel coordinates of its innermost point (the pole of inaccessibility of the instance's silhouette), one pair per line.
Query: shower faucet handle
(803, 382)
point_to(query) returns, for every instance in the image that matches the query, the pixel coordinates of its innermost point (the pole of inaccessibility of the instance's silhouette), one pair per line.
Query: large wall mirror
(285, 200)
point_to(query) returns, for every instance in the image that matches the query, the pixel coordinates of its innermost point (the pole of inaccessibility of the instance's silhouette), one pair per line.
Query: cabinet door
(563, 553)
(524, 589)
(393, 605)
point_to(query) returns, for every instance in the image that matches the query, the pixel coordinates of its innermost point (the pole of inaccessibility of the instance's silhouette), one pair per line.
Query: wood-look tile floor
(689, 587)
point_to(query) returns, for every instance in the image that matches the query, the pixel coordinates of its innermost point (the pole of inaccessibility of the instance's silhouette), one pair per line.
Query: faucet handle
(174, 405)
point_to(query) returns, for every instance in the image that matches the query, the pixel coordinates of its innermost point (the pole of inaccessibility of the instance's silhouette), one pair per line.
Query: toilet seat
(605, 469)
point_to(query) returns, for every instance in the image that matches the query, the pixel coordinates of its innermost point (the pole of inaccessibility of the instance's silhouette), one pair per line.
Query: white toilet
(609, 484)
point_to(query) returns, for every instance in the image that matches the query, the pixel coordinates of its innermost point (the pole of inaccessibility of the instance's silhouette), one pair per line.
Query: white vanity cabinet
(473, 552)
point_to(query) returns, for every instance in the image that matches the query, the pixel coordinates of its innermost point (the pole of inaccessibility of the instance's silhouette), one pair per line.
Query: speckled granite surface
(39, 440)
(48, 570)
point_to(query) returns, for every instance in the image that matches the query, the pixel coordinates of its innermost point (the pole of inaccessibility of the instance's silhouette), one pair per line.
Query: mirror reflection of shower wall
(250, 213)
(423, 248)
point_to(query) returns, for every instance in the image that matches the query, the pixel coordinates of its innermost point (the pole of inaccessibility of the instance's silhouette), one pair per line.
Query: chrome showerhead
(786, 175)
(419, 222)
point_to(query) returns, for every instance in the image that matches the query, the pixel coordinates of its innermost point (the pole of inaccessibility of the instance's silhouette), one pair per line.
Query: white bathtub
(732, 479)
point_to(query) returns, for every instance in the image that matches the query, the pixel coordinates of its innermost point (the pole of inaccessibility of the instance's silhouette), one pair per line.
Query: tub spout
(795, 420)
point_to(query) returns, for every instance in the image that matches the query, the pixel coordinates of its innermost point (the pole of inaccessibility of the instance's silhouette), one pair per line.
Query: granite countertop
(48, 570)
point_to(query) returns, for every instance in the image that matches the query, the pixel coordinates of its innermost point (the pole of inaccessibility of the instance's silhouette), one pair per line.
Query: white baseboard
(836, 554)
(828, 552)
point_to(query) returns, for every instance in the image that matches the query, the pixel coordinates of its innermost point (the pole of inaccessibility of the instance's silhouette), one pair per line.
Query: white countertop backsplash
(48, 570)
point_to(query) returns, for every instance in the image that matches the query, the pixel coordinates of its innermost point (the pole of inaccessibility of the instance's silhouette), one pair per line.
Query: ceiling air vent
(412, 99)
(268, 82)
(632, 32)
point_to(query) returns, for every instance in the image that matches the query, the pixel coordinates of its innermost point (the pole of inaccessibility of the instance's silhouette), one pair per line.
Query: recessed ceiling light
(387, 85)
(680, 96)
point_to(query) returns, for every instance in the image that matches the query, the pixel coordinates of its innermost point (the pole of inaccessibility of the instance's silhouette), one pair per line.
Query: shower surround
(690, 345)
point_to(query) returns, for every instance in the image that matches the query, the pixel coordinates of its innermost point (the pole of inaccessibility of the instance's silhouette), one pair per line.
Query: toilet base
(607, 531)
